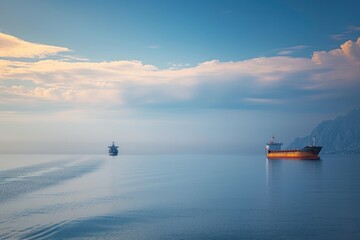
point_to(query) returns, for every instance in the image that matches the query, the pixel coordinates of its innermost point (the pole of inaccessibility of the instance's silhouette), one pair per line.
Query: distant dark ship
(113, 150)
(273, 151)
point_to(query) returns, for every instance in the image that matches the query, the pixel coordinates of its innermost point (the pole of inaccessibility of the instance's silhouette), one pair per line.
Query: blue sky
(163, 32)
(176, 76)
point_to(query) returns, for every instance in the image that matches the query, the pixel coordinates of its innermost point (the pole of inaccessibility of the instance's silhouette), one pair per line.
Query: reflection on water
(180, 197)
(293, 181)
(280, 170)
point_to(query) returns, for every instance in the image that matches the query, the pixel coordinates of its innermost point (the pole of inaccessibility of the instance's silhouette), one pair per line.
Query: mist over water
(178, 197)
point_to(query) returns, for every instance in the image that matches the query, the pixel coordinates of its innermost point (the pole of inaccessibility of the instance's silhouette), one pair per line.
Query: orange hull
(292, 154)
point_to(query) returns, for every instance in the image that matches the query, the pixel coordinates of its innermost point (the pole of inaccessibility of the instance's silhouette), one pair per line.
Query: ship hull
(306, 153)
(113, 150)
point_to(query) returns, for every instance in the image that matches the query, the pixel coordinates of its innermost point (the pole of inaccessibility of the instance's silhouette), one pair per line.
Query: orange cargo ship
(273, 151)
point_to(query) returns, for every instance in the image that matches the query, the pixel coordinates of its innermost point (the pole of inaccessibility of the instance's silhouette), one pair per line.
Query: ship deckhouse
(272, 145)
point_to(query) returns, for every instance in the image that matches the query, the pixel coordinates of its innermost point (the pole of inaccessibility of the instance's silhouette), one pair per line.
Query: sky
(216, 77)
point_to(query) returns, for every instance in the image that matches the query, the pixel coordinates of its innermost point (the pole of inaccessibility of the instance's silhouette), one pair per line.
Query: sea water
(178, 197)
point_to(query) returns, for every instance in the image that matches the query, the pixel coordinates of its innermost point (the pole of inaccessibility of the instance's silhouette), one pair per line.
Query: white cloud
(290, 50)
(14, 47)
(348, 52)
(73, 58)
(341, 67)
(267, 80)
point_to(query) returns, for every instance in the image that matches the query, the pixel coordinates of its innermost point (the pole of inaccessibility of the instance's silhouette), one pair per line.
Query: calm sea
(178, 197)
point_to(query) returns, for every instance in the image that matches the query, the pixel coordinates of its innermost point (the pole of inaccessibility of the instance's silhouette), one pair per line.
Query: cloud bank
(282, 81)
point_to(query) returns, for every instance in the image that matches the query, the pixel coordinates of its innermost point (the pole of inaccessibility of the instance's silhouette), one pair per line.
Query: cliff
(341, 135)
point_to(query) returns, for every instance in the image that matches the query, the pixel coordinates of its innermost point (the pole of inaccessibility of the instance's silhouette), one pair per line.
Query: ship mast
(314, 140)
(272, 139)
